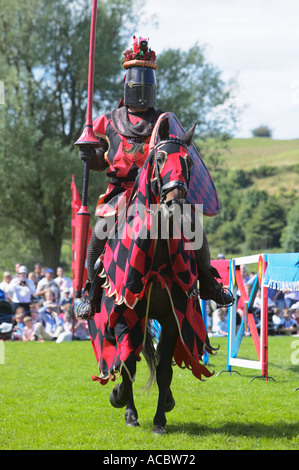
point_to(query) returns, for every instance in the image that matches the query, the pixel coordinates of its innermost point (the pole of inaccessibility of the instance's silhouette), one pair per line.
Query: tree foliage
(194, 90)
(250, 219)
(290, 233)
(44, 50)
(262, 131)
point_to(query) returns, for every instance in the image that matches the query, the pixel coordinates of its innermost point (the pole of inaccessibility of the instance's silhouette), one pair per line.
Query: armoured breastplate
(128, 143)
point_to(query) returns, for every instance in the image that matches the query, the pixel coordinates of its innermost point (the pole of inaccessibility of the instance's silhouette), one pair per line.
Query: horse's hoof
(131, 419)
(158, 430)
(170, 405)
(133, 423)
(115, 400)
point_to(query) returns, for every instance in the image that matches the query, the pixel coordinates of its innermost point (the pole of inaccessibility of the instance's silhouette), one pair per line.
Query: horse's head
(172, 163)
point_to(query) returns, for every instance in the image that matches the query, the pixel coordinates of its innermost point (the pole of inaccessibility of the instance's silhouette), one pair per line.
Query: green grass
(255, 152)
(48, 401)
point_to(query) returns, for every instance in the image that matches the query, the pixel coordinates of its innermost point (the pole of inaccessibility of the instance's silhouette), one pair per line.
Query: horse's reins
(166, 186)
(172, 184)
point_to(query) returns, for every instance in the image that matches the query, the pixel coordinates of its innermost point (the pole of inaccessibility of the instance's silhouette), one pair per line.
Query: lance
(89, 141)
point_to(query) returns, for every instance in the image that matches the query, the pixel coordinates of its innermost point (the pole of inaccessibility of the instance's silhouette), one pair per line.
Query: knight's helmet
(140, 81)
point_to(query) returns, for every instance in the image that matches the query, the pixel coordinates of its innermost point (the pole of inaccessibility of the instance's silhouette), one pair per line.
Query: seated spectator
(290, 298)
(22, 290)
(241, 303)
(49, 325)
(48, 282)
(295, 312)
(245, 277)
(276, 318)
(34, 308)
(67, 334)
(65, 297)
(278, 299)
(28, 330)
(18, 327)
(288, 324)
(221, 326)
(4, 285)
(244, 274)
(220, 322)
(81, 331)
(50, 299)
(209, 313)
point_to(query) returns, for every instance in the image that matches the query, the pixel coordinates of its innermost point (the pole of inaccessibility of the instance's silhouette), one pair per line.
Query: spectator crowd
(39, 306)
(283, 310)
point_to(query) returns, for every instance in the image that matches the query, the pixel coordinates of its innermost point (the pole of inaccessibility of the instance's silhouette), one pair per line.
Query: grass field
(252, 153)
(48, 401)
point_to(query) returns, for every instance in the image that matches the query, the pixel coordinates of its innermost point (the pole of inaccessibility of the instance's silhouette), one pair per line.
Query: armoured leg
(93, 290)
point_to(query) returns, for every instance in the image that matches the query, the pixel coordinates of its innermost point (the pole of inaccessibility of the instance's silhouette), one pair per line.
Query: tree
(290, 234)
(44, 48)
(262, 131)
(267, 224)
(194, 90)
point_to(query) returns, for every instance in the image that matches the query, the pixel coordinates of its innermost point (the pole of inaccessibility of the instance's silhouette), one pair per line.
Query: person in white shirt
(21, 290)
(62, 281)
(4, 285)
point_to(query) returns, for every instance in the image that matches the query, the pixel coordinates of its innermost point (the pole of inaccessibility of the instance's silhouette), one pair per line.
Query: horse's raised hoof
(115, 400)
(158, 430)
(170, 405)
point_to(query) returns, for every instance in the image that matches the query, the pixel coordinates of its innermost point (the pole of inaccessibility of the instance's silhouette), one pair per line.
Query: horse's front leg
(122, 395)
(131, 414)
(164, 374)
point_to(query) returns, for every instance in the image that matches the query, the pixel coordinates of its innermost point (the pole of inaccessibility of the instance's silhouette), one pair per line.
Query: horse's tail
(150, 352)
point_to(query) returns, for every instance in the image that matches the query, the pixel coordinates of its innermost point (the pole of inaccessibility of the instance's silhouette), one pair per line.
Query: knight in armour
(124, 135)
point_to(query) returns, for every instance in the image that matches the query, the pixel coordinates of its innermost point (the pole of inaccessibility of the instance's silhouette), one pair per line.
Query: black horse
(163, 179)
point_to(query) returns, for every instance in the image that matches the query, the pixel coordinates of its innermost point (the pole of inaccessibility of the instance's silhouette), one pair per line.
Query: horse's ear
(188, 136)
(164, 129)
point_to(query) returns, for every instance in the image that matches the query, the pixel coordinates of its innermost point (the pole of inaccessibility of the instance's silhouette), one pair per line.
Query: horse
(151, 279)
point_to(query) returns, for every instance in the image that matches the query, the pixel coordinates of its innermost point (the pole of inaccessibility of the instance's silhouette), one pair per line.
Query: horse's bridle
(172, 184)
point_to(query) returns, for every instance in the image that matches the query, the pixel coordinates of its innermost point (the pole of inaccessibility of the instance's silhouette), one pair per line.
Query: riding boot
(93, 291)
(92, 296)
(210, 288)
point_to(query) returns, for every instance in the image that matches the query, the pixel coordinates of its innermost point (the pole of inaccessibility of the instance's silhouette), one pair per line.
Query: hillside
(257, 184)
(272, 164)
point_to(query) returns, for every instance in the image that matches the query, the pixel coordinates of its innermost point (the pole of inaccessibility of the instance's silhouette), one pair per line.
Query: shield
(201, 187)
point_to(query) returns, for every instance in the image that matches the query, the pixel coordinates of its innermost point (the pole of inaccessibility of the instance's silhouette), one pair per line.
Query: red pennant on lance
(76, 205)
